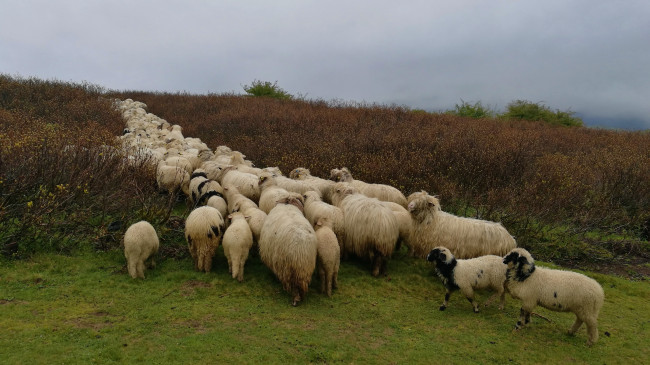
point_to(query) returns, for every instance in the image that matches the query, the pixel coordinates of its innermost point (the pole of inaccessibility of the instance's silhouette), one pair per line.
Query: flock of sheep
(302, 222)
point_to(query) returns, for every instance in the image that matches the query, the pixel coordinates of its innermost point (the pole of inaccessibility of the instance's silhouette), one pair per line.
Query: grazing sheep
(323, 186)
(246, 183)
(288, 246)
(239, 203)
(178, 161)
(464, 237)
(204, 228)
(468, 275)
(557, 290)
(270, 192)
(316, 209)
(328, 256)
(140, 243)
(404, 222)
(380, 191)
(214, 199)
(237, 242)
(172, 179)
(371, 229)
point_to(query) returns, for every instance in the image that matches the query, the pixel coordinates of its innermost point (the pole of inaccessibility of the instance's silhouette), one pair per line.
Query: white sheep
(328, 256)
(237, 242)
(246, 183)
(485, 272)
(380, 191)
(371, 229)
(316, 208)
(321, 185)
(464, 237)
(204, 228)
(557, 290)
(239, 203)
(288, 246)
(140, 244)
(172, 179)
(270, 192)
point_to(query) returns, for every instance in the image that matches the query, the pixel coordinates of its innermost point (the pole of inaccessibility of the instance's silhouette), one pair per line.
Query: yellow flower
(29, 204)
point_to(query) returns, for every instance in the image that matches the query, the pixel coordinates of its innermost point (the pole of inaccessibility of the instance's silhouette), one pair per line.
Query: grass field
(85, 309)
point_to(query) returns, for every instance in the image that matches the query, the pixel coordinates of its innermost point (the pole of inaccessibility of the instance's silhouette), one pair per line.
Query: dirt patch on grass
(95, 321)
(12, 301)
(189, 287)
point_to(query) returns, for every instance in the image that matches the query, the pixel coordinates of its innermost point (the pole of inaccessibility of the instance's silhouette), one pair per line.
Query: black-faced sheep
(557, 290)
(329, 256)
(380, 191)
(371, 229)
(288, 246)
(140, 244)
(237, 242)
(468, 275)
(464, 237)
(204, 228)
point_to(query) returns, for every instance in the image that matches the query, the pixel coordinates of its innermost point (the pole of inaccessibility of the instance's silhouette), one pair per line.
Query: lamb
(328, 256)
(468, 275)
(237, 242)
(380, 191)
(270, 192)
(464, 237)
(371, 229)
(140, 244)
(316, 209)
(557, 290)
(288, 246)
(204, 228)
(172, 179)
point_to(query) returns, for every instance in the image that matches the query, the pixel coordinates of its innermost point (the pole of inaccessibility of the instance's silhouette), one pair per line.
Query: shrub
(476, 110)
(266, 88)
(526, 110)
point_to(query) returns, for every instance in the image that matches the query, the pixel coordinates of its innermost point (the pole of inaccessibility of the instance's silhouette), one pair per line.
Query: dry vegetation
(569, 193)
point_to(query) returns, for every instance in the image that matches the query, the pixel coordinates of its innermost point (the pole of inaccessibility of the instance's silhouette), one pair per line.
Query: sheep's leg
(321, 275)
(140, 269)
(133, 271)
(328, 284)
(524, 318)
(376, 265)
(592, 330)
(444, 304)
(240, 275)
(576, 326)
(469, 294)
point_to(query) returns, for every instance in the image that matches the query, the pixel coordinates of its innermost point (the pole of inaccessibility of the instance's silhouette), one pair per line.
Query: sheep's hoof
(475, 310)
(442, 307)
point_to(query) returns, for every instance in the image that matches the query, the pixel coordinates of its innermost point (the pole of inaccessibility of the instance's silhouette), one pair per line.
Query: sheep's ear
(522, 260)
(229, 216)
(247, 217)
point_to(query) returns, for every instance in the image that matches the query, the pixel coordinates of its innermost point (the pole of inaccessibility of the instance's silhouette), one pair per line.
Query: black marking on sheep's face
(205, 197)
(444, 269)
(126, 131)
(510, 258)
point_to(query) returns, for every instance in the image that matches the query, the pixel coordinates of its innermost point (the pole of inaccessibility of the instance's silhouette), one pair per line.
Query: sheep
(172, 179)
(246, 183)
(404, 223)
(237, 242)
(204, 228)
(288, 246)
(318, 184)
(216, 200)
(316, 209)
(270, 192)
(178, 161)
(464, 237)
(371, 229)
(468, 275)
(380, 191)
(328, 256)
(557, 290)
(140, 244)
(239, 203)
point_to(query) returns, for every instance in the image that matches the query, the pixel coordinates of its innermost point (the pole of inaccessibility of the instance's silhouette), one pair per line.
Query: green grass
(86, 309)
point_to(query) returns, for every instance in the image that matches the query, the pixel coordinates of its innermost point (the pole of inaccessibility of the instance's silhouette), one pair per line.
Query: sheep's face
(335, 175)
(310, 196)
(440, 255)
(421, 203)
(299, 173)
(520, 264)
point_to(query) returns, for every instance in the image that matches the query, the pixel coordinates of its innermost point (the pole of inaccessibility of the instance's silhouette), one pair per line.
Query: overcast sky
(591, 57)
